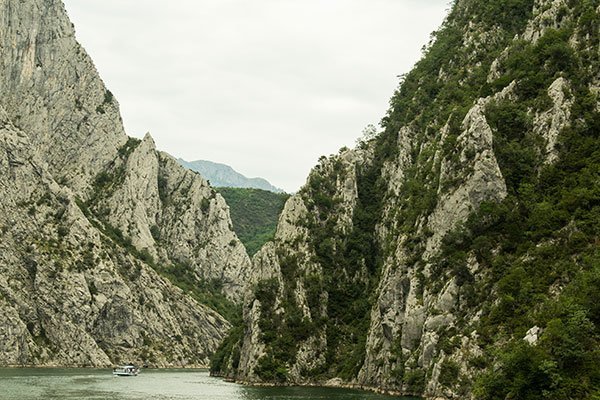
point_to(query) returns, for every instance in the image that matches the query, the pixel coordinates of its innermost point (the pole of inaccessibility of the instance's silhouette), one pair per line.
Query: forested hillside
(254, 214)
(457, 254)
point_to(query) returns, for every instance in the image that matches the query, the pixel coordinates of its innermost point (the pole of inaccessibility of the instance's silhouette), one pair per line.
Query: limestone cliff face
(291, 264)
(90, 217)
(52, 91)
(171, 214)
(73, 297)
(363, 284)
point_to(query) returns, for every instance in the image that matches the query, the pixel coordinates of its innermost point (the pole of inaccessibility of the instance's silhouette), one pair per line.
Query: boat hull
(128, 370)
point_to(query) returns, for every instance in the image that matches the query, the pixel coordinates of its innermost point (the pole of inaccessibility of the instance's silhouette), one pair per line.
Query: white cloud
(265, 86)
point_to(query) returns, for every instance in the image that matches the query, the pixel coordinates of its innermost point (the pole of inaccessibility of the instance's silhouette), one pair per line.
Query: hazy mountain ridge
(93, 221)
(222, 175)
(455, 255)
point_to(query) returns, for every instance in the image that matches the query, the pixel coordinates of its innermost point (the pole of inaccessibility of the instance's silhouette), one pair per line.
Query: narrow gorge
(454, 254)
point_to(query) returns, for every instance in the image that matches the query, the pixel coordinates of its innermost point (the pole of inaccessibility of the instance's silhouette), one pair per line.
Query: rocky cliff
(419, 262)
(109, 247)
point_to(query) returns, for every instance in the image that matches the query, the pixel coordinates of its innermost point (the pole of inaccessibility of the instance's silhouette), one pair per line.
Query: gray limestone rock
(548, 14)
(71, 295)
(421, 318)
(88, 216)
(52, 90)
(550, 123)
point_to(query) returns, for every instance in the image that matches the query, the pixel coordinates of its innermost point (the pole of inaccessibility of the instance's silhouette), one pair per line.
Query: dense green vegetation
(548, 232)
(427, 102)
(538, 250)
(541, 243)
(254, 214)
(541, 246)
(344, 261)
(351, 267)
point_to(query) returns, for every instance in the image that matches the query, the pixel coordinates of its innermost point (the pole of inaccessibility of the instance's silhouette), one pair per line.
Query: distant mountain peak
(222, 175)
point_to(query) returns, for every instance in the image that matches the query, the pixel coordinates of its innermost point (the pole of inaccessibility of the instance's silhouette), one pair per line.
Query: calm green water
(97, 384)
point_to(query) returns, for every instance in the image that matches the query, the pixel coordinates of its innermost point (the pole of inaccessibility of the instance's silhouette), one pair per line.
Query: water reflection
(303, 393)
(54, 384)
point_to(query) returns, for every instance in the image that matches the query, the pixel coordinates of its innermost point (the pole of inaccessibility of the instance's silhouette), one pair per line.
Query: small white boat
(126, 370)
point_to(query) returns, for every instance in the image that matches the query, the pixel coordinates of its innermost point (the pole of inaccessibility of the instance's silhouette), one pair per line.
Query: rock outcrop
(390, 268)
(98, 230)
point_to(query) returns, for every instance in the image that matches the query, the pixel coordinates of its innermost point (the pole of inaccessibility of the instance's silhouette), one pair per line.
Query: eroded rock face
(409, 319)
(482, 180)
(73, 297)
(410, 194)
(549, 14)
(173, 215)
(550, 123)
(52, 90)
(88, 217)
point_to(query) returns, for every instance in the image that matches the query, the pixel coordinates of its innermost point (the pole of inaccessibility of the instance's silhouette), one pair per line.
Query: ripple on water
(98, 384)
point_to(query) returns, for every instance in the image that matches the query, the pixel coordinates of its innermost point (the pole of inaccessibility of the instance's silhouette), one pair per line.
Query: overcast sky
(265, 86)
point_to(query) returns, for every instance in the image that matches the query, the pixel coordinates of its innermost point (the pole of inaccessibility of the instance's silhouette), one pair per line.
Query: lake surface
(170, 384)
